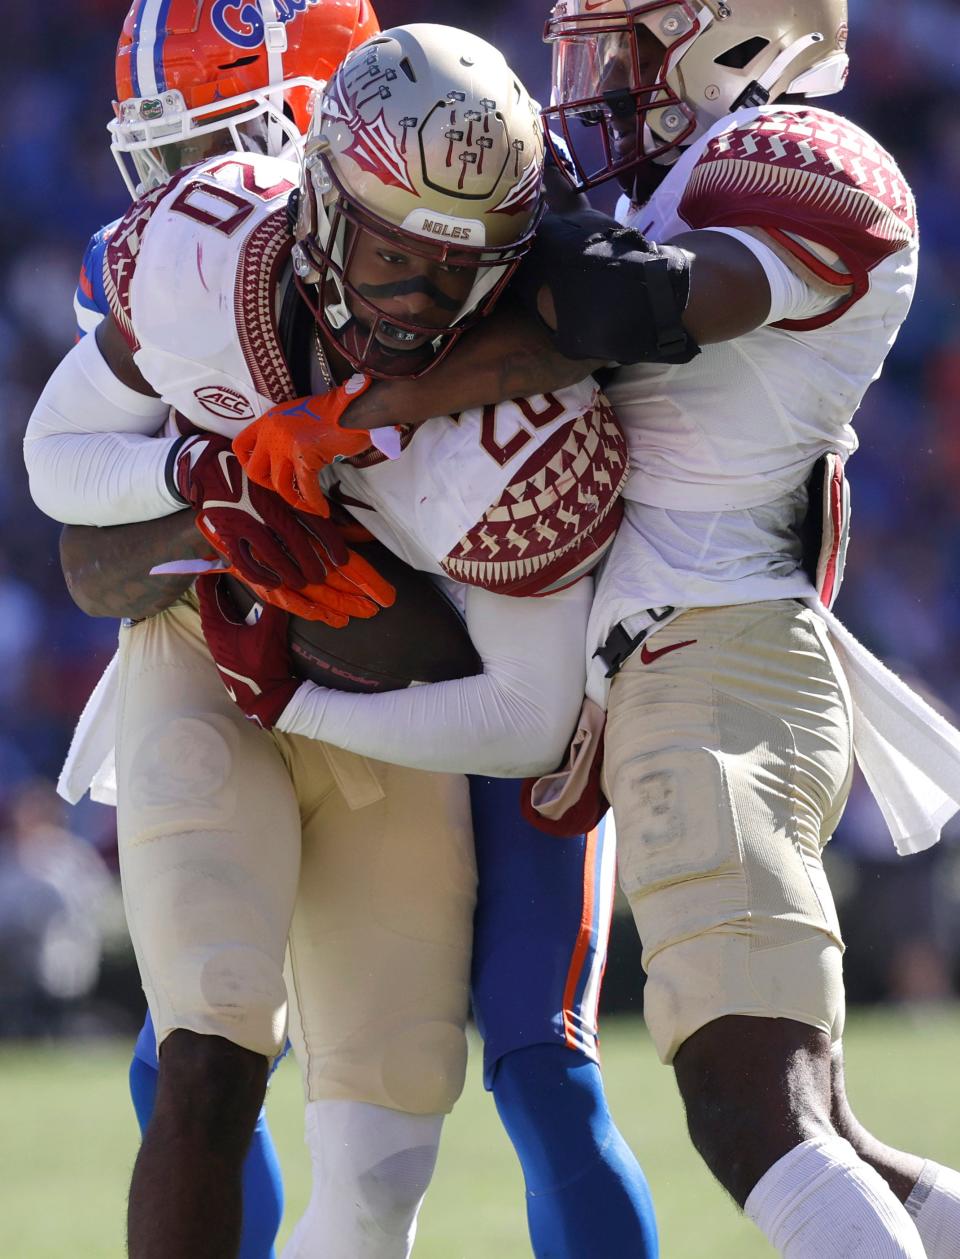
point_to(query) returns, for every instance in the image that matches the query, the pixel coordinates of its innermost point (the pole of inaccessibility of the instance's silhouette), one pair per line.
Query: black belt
(621, 644)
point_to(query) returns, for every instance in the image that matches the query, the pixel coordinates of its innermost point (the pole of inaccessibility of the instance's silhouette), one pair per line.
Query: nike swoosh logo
(647, 656)
(591, 5)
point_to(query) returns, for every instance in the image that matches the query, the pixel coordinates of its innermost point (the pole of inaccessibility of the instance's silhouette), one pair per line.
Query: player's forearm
(509, 355)
(470, 726)
(513, 720)
(90, 447)
(108, 570)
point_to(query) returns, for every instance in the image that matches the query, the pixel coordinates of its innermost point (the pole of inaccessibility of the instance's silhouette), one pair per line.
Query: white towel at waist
(90, 761)
(908, 753)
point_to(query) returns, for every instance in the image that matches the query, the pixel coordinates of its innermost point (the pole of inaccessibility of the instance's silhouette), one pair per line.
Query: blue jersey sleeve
(90, 302)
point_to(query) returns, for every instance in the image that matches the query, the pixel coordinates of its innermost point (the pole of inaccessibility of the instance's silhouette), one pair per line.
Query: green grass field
(68, 1137)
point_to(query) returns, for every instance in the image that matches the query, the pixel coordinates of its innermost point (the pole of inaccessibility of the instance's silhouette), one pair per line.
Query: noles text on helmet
(421, 192)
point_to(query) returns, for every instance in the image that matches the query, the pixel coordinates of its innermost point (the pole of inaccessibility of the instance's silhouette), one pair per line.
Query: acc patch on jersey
(225, 403)
(559, 513)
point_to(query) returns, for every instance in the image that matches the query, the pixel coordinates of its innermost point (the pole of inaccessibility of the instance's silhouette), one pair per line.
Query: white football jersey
(190, 274)
(520, 498)
(721, 448)
(517, 498)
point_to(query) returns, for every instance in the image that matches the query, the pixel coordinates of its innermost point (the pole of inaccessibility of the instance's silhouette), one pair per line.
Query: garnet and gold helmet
(427, 141)
(645, 79)
(197, 76)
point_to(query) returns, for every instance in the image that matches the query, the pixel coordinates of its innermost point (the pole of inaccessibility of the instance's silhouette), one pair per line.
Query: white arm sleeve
(791, 297)
(513, 720)
(90, 448)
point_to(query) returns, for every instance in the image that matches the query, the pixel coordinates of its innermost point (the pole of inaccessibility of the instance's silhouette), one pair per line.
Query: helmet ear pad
(292, 211)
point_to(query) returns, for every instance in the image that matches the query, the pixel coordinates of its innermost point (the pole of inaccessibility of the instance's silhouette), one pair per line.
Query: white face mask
(153, 139)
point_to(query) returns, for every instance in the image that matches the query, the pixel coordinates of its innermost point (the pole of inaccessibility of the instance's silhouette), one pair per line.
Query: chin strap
(758, 92)
(275, 43)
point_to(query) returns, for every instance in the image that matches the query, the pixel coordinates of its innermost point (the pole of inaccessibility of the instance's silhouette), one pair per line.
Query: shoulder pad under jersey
(122, 254)
(190, 275)
(522, 498)
(90, 300)
(557, 505)
(801, 173)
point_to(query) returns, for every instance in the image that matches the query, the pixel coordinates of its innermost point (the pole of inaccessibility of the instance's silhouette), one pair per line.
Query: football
(421, 638)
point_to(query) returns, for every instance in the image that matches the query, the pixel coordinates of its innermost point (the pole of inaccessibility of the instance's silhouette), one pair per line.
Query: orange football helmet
(198, 76)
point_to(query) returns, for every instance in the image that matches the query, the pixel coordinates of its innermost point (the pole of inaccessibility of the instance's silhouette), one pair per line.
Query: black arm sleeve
(617, 295)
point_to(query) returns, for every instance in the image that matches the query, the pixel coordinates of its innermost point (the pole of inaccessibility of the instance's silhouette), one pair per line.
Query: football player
(786, 264)
(191, 83)
(540, 1058)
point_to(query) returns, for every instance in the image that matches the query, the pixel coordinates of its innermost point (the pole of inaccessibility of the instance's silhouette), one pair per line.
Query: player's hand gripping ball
(262, 538)
(301, 564)
(420, 638)
(289, 445)
(251, 653)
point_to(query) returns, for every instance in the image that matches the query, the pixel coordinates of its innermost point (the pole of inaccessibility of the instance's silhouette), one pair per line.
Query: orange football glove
(355, 589)
(289, 445)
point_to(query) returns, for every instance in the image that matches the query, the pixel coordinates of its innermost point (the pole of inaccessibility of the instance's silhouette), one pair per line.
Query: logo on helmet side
(524, 196)
(223, 402)
(241, 23)
(359, 88)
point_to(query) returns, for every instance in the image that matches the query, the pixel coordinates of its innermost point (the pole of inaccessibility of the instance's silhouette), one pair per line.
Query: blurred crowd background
(65, 963)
